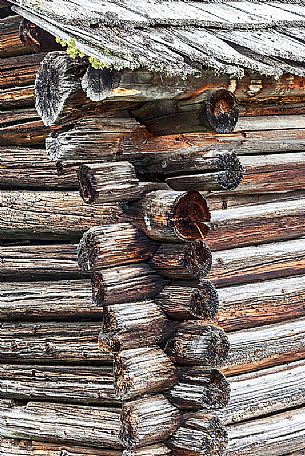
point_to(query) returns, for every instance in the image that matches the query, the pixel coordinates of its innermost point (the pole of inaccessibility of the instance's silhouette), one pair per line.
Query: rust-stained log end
(191, 216)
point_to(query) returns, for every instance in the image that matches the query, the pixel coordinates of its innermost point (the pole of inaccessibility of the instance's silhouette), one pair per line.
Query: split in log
(133, 325)
(191, 260)
(58, 300)
(142, 371)
(22, 128)
(10, 43)
(51, 342)
(219, 112)
(39, 262)
(198, 389)
(154, 450)
(107, 182)
(30, 168)
(75, 424)
(254, 224)
(271, 301)
(189, 302)
(19, 71)
(113, 245)
(86, 385)
(257, 348)
(169, 216)
(265, 392)
(118, 285)
(148, 420)
(273, 435)
(200, 437)
(36, 38)
(257, 263)
(14, 447)
(50, 215)
(282, 172)
(198, 344)
(58, 88)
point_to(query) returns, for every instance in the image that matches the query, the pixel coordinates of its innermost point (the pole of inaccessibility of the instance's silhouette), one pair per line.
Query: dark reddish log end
(191, 215)
(222, 110)
(87, 184)
(36, 38)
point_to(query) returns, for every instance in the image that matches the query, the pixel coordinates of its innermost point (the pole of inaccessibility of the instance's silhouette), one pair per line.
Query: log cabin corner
(152, 228)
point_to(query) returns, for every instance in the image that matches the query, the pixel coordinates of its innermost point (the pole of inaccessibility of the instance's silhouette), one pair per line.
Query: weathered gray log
(113, 245)
(142, 371)
(73, 384)
(254, 224)
(258, 262)
(51, 342)
(154, 450)
(30, 168)
(270, 345)
(183, 261)
(75, 424)
(107, 182)
(198, 344)
(228, 178)
(98, 139)
(219, 112)
(275, 435)
(200, 437)
(133, 325)
(22, 128)
(50, 215)
(125, 284)
(189, 302)
(60, 300)
(169, 216)
(14, 447)
(199, 389)
(10, 43)
(148, 420)
(265, 392)
(58, 88)
(271, 301)
(39, 262)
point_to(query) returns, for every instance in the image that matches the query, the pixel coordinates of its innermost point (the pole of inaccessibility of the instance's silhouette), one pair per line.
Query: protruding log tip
(202, 436)
(97, 83)
(197, 259)
(233, 171)
(98, 288)
(204, 301)
(222, 110)
(191, 214)
(86, 251)
(57, 86)
(87, 183)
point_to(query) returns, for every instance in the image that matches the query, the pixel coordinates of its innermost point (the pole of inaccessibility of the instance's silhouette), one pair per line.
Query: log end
(87, 184)
(57, 85)
(35, 38)
(204, 301)
(222, 110)
(233, 171)
(191, 216)
(98, 288)
(86, 251)
(197, 259)
(97, 83)
(204, 435)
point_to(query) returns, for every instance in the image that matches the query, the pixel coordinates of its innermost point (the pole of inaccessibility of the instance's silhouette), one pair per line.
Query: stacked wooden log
(158, 206)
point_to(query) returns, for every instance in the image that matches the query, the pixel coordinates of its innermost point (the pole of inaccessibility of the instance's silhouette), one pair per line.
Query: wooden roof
(178, 37)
